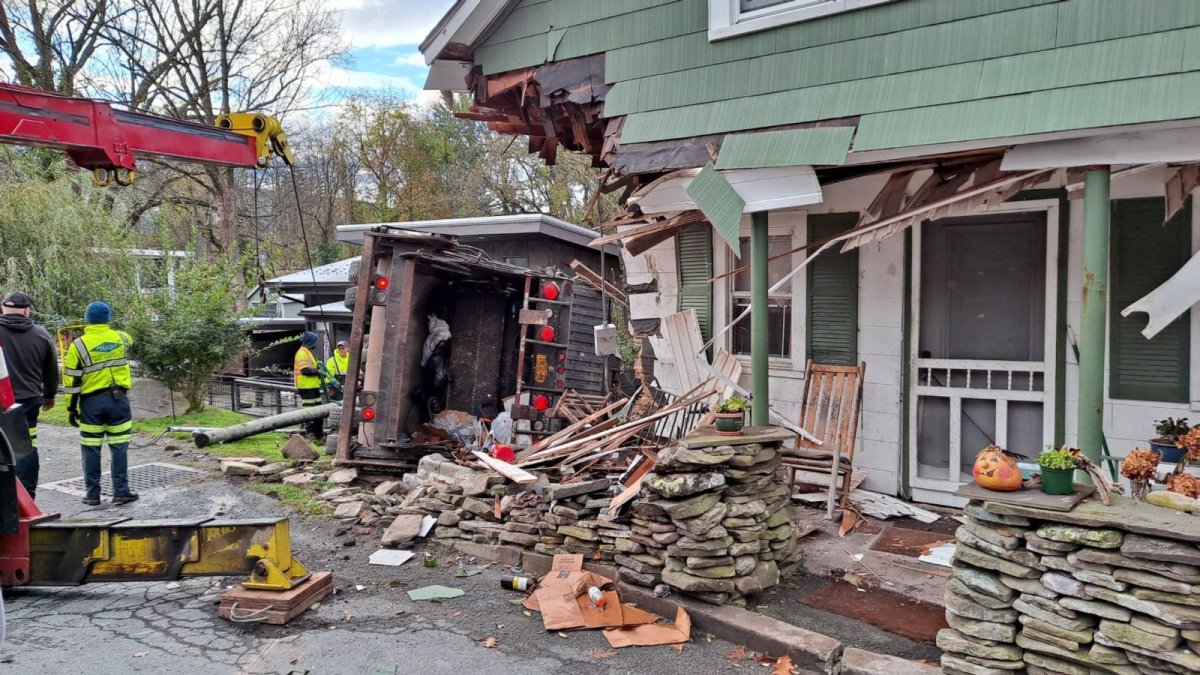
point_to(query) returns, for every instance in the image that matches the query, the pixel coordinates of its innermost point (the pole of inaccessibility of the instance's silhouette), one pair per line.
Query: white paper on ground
(390, 557)
(939, 555)
(427, 524)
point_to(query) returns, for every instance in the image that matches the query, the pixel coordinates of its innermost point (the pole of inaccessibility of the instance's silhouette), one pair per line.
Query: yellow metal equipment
(265, 129)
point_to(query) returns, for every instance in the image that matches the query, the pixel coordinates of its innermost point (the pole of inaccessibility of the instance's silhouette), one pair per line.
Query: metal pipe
(760, 326)
(1094, 308)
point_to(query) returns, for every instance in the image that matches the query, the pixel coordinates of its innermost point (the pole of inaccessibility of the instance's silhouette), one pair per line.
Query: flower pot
(1058, 481)
(730, 424)
(1167, 451)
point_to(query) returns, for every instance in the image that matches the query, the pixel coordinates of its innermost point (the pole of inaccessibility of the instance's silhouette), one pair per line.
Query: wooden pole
(209, 437)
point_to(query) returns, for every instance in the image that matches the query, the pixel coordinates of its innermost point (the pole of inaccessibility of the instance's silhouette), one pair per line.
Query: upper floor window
(727, 18)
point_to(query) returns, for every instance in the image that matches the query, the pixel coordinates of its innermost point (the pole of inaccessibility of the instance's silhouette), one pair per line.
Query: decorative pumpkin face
(996, 470)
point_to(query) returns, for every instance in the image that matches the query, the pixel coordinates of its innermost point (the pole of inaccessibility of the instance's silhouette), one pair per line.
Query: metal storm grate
(141, 477)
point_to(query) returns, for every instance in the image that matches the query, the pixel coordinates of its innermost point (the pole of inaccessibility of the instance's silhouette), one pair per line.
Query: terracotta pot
(730, 424)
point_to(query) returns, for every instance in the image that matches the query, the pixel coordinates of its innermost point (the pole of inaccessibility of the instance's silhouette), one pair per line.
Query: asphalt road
(369, 626)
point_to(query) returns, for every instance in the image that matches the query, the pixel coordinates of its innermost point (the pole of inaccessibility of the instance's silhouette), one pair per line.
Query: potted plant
(1169, 432)
(1057, 471)
(731, 415)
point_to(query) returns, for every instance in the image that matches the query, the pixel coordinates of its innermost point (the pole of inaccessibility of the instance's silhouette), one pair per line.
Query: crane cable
(308, 256)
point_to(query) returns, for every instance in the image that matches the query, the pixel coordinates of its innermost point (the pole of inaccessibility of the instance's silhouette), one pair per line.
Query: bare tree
(48, 43)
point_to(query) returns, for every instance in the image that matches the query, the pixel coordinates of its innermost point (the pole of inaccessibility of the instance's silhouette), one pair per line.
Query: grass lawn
(298, 498)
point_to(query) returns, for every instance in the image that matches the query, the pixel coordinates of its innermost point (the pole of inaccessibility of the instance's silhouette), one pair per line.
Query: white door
(982, 343)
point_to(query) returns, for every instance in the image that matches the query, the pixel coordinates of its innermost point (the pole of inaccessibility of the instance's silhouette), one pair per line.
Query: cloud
(386, 23)
(411, 59)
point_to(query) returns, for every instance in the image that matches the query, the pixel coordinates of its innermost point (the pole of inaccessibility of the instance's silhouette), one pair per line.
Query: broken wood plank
(513, 473)
(599, 283)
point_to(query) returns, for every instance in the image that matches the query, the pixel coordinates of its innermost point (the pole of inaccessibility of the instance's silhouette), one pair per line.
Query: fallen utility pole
(209, 437)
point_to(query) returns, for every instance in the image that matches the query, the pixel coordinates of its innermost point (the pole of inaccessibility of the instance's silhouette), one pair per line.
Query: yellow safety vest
(96, 361)
(305, 359)
(338, 364)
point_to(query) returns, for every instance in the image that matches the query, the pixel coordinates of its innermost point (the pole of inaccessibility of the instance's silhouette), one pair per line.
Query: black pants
(28, 466)
(308, 399)
(105, 416)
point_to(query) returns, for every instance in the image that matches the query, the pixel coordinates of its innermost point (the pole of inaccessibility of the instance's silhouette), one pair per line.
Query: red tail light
(550, 291)
(382, 283)
(368, 414)
(546, 334)
(541, 403)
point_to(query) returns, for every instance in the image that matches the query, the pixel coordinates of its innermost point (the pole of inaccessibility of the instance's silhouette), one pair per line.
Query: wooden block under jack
(243, 605)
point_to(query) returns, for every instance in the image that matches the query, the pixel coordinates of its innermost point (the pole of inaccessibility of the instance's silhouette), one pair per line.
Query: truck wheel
(351, 296)
(331, 444)
(354, 269)
(334, 420)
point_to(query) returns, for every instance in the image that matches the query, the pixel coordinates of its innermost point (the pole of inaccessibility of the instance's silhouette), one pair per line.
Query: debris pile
(1032, 592)
(715, 519)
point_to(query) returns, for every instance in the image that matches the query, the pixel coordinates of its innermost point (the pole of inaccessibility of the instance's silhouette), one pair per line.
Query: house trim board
(906, 488)
(934, 490)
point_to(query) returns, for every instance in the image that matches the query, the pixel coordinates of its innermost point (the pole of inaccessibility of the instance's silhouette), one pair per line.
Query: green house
(952, 192)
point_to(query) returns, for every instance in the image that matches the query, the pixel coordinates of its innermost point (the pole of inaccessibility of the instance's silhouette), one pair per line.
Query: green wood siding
(831, 326)
(917, 72)
(694, 257)
(1144, 254)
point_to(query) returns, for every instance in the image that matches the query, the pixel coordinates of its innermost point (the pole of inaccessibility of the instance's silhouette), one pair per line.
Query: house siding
(939, 71)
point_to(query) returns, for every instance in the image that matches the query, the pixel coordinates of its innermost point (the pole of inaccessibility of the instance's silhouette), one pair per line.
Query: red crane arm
(98, 137)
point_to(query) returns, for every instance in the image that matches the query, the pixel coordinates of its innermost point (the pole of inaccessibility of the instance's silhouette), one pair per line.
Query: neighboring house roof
(485, 226)
(331, 310)
(908, 74)
(331, 274)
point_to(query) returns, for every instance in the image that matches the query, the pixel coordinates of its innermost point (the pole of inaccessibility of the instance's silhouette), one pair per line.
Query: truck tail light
(546, 334)
(382, 283)
(368, 414)
(551, 291)
(562, 356)
(541, 403)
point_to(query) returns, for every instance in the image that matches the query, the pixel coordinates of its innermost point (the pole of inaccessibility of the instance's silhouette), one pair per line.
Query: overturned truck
(518, 339)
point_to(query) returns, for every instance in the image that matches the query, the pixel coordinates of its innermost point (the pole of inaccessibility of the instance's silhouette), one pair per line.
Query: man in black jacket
(32, 362)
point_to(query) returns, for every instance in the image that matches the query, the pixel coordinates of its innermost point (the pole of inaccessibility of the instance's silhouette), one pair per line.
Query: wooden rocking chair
(831, 405)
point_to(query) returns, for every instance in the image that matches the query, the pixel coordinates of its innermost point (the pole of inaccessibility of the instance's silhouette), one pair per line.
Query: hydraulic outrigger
(42, 549)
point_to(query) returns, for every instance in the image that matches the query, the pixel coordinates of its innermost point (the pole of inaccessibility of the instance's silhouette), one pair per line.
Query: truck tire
(334, 420)
(351, 296)
(354, 269)
(331, 444)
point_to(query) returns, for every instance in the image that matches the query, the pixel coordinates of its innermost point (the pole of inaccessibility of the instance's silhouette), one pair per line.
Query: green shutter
(832, 302)
(693, 251)
(1145, 253)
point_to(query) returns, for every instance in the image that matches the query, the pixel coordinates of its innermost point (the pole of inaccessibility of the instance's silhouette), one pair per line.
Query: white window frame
(723, 305)
(726, 18)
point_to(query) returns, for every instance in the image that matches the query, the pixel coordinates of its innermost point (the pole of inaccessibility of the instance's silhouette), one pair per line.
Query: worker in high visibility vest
(336, 367)
(97, 383)
(306, 370)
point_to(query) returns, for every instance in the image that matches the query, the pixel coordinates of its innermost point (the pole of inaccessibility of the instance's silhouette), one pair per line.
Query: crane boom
(108, 141)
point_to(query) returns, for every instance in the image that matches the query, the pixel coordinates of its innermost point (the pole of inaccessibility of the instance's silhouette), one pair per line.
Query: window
(727, 18)
(832, 298)
(1145, 253)
(779, 314)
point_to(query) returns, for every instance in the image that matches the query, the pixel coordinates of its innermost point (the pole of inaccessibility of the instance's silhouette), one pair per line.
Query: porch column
(760, 343)
(1095, 304)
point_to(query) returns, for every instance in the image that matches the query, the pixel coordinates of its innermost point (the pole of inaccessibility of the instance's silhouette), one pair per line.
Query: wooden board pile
(714, 520)
(1096, 590)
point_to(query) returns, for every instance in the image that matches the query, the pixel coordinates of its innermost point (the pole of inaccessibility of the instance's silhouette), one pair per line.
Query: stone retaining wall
(715, 520)
(1096, 590)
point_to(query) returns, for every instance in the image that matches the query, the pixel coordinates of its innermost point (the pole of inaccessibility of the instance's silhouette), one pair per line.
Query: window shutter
(1145, 253)
(832, 302)
(694, 255)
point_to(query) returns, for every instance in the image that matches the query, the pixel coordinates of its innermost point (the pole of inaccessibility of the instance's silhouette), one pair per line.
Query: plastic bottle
(596, 596)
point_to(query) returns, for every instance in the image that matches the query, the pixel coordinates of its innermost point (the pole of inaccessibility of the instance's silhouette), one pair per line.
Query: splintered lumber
(570, 430)
(599, 283)
(570, 447)
(513, 473)
(208, 437)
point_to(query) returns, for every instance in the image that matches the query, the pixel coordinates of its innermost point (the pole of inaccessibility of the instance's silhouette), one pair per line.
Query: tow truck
(44, 549)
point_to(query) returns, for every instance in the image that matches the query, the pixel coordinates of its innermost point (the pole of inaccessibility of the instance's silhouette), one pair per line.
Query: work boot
(124, 499)
(91, 501)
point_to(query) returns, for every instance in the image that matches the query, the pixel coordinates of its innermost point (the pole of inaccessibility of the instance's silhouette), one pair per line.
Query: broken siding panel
(794, 147)
(918, 49)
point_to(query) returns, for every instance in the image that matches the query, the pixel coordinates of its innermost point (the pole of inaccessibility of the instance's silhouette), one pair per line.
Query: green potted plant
(731, 415)
(1169, 432)
(1057, 471)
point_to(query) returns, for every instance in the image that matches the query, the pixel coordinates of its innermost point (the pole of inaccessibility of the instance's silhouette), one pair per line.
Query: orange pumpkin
(997, 470)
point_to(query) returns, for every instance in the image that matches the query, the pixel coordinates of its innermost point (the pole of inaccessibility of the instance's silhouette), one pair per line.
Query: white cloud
(411, 59)
(387, 23)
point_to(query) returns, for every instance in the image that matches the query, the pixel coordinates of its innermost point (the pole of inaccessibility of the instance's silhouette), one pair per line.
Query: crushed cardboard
(562, 599)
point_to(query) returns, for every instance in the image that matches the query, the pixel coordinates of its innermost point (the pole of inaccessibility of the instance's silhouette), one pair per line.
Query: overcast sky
(384, 38)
